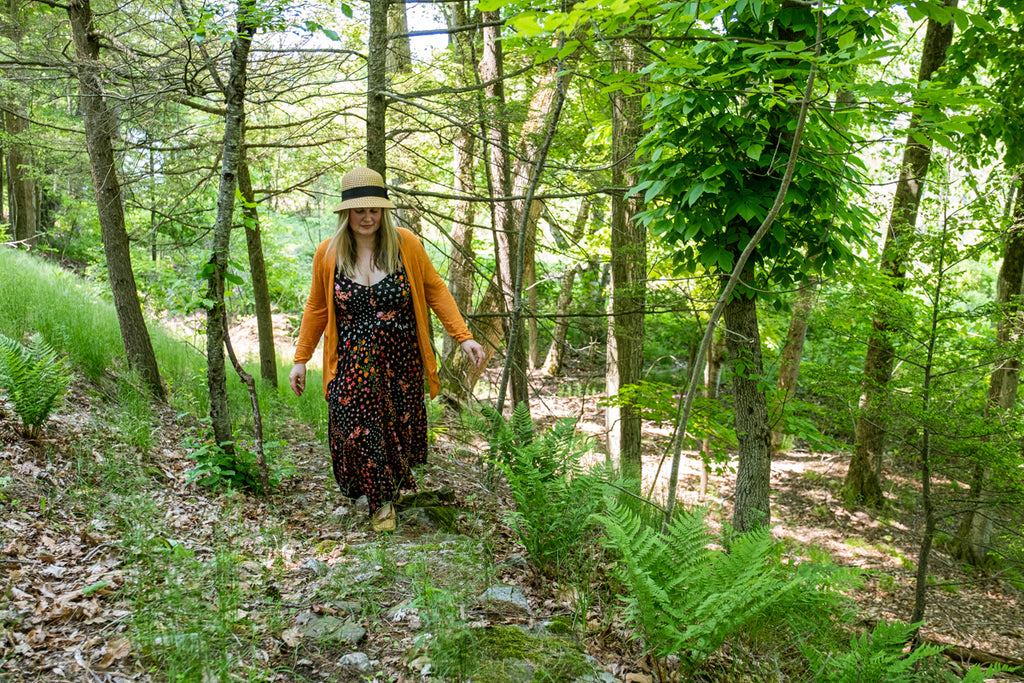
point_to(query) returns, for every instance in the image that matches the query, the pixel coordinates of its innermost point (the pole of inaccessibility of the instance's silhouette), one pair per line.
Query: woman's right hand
(297, 378)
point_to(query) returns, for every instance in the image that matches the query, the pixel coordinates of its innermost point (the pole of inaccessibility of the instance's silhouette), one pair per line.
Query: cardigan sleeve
(439, 298)
(314, 317)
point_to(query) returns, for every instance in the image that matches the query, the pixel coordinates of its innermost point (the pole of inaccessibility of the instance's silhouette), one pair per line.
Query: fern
(687, 598)
(555, 497)
(34, 378)
(880, 657)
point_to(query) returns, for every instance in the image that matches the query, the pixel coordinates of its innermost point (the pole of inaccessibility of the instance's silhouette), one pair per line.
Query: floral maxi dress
(377, 425)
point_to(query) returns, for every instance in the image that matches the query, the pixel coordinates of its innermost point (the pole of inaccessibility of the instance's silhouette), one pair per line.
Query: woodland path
(64, 568)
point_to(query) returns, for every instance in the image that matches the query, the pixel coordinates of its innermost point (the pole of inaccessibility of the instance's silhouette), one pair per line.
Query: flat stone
(506, 595)
(334, 630)
(357, 660)
(315, 566)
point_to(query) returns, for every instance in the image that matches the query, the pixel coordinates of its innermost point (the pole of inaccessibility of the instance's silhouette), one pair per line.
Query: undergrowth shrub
(34, 378)
(555, 495)
(880, 656)
(687, 598)
(217, 469)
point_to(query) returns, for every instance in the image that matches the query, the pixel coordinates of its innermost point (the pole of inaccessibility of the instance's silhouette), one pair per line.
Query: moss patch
(510, 654)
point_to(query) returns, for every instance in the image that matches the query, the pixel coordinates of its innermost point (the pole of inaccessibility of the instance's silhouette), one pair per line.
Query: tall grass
(77, 317)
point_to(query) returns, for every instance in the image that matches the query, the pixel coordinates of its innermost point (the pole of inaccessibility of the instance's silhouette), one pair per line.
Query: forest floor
(70, 566)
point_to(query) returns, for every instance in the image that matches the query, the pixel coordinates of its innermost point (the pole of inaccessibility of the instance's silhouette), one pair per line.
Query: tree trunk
(258, 274)
(713, 392)
(399, 53)
(454, 371)
(99, 125)
(376, 84)
(502, 219)
(234, 125)
(454, 374)
(792, 350)
(21, 189)
(753, 472)
(556, 352)
(863, 479)
(625, 357)
(504, 214)
(530, 282)
(974, 535)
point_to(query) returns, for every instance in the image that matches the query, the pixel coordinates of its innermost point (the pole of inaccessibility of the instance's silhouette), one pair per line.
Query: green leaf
(754, 151)
(490, 5)
(694, 194)
(526, 24)
(654, 190)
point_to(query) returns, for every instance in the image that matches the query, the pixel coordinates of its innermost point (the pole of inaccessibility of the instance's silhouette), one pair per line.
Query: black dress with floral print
(377, 424)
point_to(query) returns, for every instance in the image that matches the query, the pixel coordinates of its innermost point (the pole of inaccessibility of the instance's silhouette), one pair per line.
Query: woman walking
(372, 284)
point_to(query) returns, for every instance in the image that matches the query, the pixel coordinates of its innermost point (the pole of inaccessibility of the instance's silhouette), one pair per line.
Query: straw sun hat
(363, 188)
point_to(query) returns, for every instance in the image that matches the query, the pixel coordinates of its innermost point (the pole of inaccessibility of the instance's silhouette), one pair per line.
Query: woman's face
(364, 222)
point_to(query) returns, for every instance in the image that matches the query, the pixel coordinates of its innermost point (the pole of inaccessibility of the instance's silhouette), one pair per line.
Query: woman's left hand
(474, 351)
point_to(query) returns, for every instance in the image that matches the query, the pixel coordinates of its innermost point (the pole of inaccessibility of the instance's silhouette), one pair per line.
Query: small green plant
(216, 468)
(35, 379)
(555, 496)
(451, 645)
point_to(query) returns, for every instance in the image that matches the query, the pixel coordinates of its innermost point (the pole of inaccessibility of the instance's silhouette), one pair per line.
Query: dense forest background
(718, 234)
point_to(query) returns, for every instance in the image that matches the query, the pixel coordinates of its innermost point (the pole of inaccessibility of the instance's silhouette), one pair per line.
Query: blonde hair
(386, 250)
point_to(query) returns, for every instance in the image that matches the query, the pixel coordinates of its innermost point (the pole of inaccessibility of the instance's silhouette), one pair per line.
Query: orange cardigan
(427, 289)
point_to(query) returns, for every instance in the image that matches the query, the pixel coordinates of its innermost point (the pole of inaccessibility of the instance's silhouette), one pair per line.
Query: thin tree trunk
(753, 472)
(792, 351)
(927, 502)
(556, 352)
(863, 482)
(530, 282)
(99, 125)
(974, 535)
(454, 371)
(376, 85)
(491, 70)
(399, 53)
(712, 392)
(216, 320)
(625, 355)
(258, 275)
(454, 375)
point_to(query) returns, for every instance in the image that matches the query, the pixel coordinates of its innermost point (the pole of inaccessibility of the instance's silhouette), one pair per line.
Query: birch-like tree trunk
(99, 127)
(863, 482)
(234, 126)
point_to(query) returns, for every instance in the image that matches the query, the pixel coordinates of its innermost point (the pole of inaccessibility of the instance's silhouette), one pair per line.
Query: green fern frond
(34, 378)
(687, 598)
(880, 656)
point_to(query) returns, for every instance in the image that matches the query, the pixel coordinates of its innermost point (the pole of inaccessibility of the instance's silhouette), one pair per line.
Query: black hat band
(364, 191)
